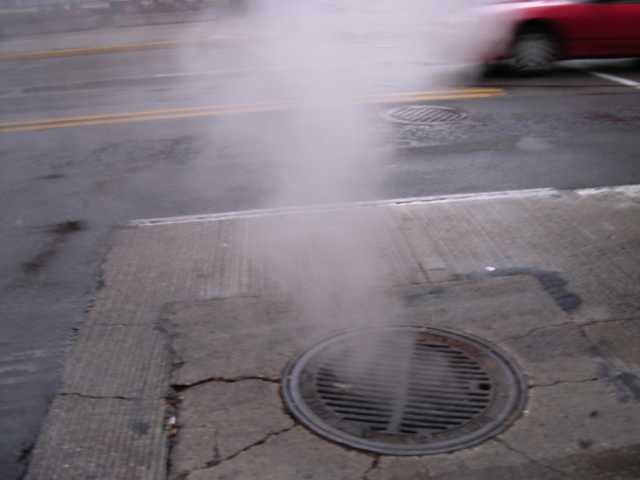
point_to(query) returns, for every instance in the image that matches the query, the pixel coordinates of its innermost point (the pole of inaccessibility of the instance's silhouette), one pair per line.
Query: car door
(583, 28)
(623, 17)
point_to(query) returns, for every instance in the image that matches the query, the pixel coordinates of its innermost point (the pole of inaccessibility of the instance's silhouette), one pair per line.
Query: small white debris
(172, 420)
(490, 268)
(343, 386)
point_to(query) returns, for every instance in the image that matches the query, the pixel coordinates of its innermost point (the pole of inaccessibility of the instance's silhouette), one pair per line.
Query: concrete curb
(37, 24)
(163, 18)
(34, 23)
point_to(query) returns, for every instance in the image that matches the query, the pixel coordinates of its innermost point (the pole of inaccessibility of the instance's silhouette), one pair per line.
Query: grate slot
(359, 407)
(361, 413)
(374, 399)
(438, 363)
(363, 389)
(427, 415)
(423, 115)
(452, 399)
(435, 407)
(421, 392)
(409, 428)
(354, 418)
(443, 426)
(445, 386)
(412, 402)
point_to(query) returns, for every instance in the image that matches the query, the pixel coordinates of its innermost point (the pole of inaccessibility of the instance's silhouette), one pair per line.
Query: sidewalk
(107, 40)
(176, 373)
(17, 24)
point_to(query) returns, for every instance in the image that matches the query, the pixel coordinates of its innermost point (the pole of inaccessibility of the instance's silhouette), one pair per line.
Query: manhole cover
(405, 390)
(423, 115)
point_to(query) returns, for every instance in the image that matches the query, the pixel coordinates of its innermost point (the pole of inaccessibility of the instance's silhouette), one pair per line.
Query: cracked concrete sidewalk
(176, 373)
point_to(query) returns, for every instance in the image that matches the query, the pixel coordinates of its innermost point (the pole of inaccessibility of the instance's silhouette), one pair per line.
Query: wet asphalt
(65, 190)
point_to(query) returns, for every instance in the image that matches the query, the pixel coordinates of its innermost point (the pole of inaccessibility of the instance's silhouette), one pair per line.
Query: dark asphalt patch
(52, 176)
(611, 118)
(25, 454)
(625, 383)
(551, 282)
(621, 463)
(585, 444)
(60, 232)
(69, 226)
(140, 428)
(37, 263)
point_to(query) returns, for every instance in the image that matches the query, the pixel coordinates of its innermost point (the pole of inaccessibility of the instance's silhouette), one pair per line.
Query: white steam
(323, 59)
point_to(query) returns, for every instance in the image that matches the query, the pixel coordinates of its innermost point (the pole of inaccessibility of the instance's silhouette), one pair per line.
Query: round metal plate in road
(405, 390)
(423, 115)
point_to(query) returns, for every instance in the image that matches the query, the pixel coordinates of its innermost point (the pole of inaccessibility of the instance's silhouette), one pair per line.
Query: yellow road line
(218, 110)
(134, 47)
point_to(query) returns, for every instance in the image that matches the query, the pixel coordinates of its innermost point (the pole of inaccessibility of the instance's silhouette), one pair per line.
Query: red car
(533, 34)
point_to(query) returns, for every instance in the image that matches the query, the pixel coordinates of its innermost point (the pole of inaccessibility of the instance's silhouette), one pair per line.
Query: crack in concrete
(245, 378)
(533, 331)
(508, 446)
(172, 401)
(563, 382)
(218, 461)
(602, 322)
(572, 323)
(612, 370)
(608, 367)
(124, 325)
(375, 463)
(97, 397)
(216, 449)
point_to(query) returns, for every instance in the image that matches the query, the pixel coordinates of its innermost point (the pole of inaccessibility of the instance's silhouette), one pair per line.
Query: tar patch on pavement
(60, 232)
(551, 282)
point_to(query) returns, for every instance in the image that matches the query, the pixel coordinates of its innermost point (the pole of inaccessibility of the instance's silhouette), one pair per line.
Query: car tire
(534, 52)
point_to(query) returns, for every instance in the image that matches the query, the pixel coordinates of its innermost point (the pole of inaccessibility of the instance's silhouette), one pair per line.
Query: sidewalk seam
(508, 446)
(97, 397)
(564, 382)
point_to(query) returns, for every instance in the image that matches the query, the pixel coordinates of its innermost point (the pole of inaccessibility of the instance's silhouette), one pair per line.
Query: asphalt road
(65, 186)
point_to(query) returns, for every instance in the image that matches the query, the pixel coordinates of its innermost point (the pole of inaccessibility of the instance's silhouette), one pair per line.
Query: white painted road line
(616, 79)
(216, 217)
(629, 190)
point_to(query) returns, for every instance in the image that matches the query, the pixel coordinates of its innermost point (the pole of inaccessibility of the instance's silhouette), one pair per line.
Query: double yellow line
(219, 110)
(74, 52)
(220, 41)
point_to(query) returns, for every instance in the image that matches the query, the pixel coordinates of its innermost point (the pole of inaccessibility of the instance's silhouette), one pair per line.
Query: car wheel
(534, 52)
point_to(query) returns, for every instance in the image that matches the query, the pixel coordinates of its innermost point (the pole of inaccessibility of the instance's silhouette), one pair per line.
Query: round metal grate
(405, 390)
(423, 115)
